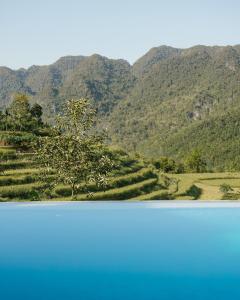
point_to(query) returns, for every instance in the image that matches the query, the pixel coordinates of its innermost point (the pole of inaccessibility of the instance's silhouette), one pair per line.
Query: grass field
(206, 186)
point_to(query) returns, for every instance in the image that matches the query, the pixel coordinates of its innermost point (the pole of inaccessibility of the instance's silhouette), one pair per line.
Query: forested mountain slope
(193, 86)
(103, 80)
(170, 101)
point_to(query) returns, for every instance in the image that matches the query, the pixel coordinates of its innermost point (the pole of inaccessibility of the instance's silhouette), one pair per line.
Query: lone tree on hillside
(19, 111)
(195, 162)
(74, 151)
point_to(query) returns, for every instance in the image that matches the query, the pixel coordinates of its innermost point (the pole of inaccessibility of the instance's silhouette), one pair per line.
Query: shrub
(225, 188)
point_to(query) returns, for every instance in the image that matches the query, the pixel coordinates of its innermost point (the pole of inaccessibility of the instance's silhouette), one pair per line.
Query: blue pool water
(119, 251)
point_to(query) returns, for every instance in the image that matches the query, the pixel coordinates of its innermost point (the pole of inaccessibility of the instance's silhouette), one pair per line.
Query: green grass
(24, 191)
(18, 182)
(7, 153)
(116, 182)
(122, 193)
(133, 180)
(204, 186)
(233, 182)
(231, 196)
(16, 164)
(18, 179)
(155, 195)
(23, 171)
(7, 148)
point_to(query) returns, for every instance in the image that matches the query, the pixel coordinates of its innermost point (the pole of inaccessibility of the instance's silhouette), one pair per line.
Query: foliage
(19, 139)
(113, 182)
(195, 162)
(125, 192)
(217, 139)
(183, 99)
(225, 188)
(169, 102)
(73, 151)
(104, 80)
(168, 165)
(20, 116)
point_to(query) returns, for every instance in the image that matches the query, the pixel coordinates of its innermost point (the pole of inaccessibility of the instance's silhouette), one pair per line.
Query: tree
(36, 112)
(76, 154)
(195, 162)
(168, 165)
(225, 188)
(20, 116)
(19, 111)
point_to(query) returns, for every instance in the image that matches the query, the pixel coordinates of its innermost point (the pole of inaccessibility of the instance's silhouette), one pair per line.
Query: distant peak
(69, 59)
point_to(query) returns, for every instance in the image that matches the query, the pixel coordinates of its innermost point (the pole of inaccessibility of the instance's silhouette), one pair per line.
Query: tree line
(21, 116)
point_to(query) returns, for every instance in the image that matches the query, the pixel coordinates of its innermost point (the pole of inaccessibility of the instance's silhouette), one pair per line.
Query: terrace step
(115, 182)
(122, 193)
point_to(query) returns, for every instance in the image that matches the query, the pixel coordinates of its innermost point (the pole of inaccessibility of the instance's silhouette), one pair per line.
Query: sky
(39, 32)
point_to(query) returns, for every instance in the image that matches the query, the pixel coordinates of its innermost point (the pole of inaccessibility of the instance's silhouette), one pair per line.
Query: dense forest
(169, 103)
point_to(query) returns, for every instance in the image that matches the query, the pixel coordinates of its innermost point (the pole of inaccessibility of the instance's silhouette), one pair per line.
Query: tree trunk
(73, 189)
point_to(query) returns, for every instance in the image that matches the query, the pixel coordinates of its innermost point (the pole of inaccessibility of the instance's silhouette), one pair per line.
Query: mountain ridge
(145, 106)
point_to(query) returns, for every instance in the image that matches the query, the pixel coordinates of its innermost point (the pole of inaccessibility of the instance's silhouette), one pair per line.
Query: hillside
(132, 180)
(20, 180)
(170, 101)
(103, 80)
(174, 95)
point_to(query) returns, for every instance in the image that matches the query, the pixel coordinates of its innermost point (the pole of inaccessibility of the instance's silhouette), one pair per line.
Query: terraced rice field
(19, 181)
(134, 180)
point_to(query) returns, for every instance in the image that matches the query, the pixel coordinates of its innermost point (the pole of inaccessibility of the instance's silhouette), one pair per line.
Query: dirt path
(209, 192)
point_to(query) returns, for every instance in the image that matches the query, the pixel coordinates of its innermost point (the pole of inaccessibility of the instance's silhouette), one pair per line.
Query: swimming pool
(120, 250)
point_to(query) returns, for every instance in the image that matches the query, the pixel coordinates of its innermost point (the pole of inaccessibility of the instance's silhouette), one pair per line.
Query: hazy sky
(39, 32)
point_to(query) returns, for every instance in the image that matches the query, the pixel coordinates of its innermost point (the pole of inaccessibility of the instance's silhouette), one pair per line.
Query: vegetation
(168, 165)
(70, 162)
(206, 186)
(20, 116)
(135, 180)
(72, 150)
(170, 102)
(178, 108)
(131, 179)
(183, 100)
(225, 188)
(195, 162)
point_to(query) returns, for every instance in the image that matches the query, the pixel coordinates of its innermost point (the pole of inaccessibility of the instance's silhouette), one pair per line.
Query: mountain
(167, 103)
(192, 86)
(153, 56)
(103, 80)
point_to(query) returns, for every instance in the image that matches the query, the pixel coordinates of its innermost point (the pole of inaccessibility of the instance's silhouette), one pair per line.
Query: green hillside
(217, 138)
(177, 94)
(167, 103)
(19, 180)
(103, 80)
(132, 180)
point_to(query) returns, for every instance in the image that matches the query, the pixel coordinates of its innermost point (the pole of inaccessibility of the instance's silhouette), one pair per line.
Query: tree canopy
(73, 150)
(20, 116)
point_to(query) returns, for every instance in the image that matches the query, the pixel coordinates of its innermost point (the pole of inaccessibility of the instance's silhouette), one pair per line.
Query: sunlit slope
(19, 180)
(206, 186)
